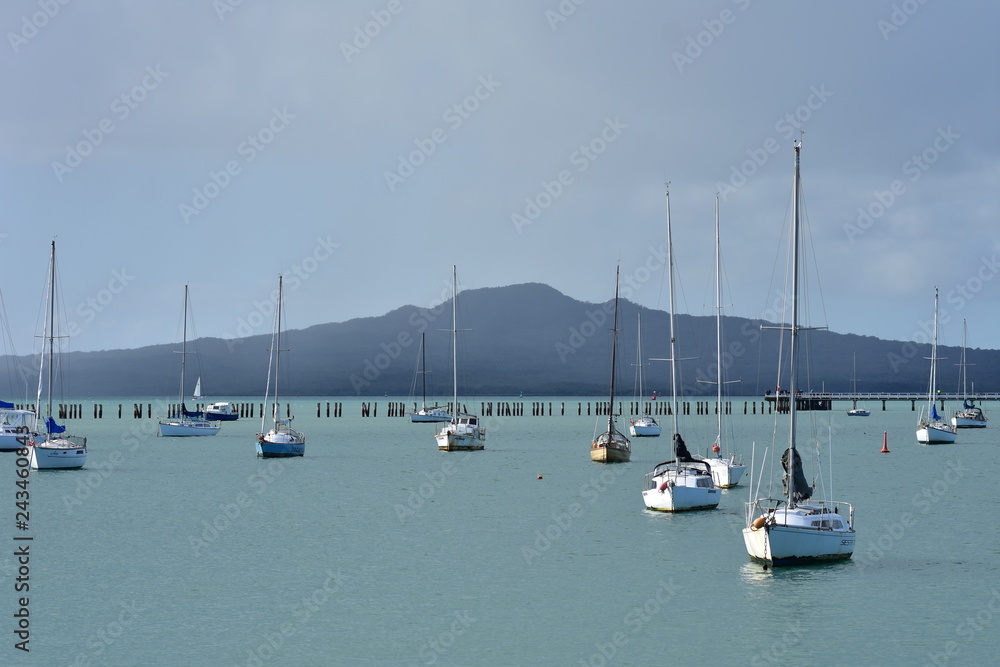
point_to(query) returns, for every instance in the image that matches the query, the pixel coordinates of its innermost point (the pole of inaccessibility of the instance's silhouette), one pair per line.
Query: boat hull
(799, 536)
(462, 435)
(184, 428)
(681, 499)
(858, 412)
(969, 419)
(278, 444)
(15, 429)
(458, 442)
(611, 447)
(936, 434)
(57, 454)
(429, 416)
(725, 473)
(683, 487)
(644, 428)
(221, 417)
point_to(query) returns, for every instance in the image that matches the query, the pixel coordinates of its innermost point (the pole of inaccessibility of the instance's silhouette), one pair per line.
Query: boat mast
(614, 362)
(184, 347)
(965, 393)
(423, 371)
(670, 291)
(793, 349)
(718, 322)
(51, 312)
(277, 355)
(454, 342)
(930, 393)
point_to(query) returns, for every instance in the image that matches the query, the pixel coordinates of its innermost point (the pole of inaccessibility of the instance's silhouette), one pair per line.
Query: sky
(361, 149)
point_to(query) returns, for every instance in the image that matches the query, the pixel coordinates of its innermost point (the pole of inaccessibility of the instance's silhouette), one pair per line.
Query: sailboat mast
(423, 371)
(184, 345)
(965, 393)
(793, 349)
(277, 354)
(454, 341)
(51, 336)
(670, 291)
(614, 361)
(718, 322)
(930, 394)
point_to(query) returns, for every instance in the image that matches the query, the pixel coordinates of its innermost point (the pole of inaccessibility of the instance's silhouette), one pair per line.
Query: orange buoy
(885, 442)
(758, 523)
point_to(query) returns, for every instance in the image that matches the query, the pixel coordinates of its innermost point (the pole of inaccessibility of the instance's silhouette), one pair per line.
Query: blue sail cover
(186, 413)
(934, 414)
(967, 405)
(5, 404)
(52, 427)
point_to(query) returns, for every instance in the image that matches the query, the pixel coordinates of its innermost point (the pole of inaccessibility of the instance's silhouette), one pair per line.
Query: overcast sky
(363, 148)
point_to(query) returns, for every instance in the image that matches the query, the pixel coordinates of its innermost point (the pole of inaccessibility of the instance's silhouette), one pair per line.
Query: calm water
(376, 549)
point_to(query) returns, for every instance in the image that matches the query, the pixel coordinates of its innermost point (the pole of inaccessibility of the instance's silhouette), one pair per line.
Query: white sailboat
(855, 411)
(644, 426)
(426, 414)
(612, 446)
(281, 441)
(186, 423)
(971, 415)
(463, 432)
(50, 448)
(932, 430)
(727, 467)
(682, 483)
(789, 530)
(15, 427)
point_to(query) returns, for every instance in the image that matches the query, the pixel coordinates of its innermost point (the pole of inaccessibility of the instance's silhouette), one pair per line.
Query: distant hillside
(527, 339)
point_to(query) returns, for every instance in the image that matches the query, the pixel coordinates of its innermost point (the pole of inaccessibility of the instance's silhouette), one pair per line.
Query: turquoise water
(376, 549)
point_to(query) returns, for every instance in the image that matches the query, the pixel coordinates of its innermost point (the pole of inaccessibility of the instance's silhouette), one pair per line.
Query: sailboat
(426, 414)
(612, 446)
(855, 411)
(50, 448)
(932, 430)
(646, 424)
(727, 468)
(186, 423)
(684, 482)
(971, 415)
(463, 432)
(15, 427)
(788, 530)
(281, 440)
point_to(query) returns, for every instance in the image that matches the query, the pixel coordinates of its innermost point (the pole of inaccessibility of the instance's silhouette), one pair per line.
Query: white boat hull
(15, 429)
(969, 419)
(188, 427)
(673, 491)
(464, 434)
(936, 434)
(64, 453)
(725, 473)
(800, 536)
(644, 427)
(429, 415)
(858, 412)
